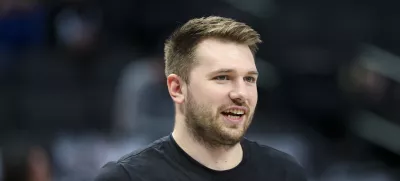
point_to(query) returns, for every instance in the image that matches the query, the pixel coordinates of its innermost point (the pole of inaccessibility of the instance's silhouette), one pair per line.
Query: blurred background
(82, 83)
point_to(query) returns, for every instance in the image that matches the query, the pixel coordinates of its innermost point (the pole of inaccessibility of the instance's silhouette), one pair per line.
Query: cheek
(212, 92)
(253, 96)
(205, 97)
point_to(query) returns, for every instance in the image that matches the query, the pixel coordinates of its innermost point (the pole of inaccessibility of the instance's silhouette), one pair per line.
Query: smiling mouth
(233, 114)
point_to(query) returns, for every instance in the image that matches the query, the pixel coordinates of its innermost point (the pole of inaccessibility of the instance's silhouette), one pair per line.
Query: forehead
(214, 54)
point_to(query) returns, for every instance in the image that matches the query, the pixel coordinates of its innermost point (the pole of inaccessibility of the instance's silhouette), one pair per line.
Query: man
(211, 77)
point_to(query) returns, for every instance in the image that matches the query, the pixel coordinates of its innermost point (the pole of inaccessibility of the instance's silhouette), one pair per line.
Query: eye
(250, 79)
(221, 77)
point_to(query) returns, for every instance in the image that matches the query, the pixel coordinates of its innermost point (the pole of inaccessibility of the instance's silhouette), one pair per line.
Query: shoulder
(268, 155)
(146, 154)
(132, 166)
(268, 152)
(113, 171)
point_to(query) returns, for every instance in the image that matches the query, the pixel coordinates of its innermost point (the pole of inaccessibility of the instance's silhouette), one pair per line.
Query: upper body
(165, 160)
(212, 80)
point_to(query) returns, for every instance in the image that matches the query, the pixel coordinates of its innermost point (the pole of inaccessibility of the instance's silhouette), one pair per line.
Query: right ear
(175, 88)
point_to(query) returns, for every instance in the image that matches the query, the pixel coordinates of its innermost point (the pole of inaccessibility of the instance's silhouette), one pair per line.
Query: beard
(209, 129)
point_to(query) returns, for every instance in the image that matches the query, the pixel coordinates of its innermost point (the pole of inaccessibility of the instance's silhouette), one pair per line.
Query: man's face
(222, 94)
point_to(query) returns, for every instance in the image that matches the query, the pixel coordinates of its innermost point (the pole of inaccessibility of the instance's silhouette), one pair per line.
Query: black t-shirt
(164, 160)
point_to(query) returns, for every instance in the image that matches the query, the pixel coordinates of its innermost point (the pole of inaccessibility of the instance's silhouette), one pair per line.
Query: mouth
(234, 114)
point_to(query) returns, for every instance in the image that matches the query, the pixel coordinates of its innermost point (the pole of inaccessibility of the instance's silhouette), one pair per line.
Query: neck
(215, 158)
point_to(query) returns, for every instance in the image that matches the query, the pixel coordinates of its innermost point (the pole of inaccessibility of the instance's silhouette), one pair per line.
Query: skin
(39, 166)
(225, 75)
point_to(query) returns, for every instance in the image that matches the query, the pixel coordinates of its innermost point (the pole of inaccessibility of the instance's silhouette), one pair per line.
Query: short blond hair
(180, 46)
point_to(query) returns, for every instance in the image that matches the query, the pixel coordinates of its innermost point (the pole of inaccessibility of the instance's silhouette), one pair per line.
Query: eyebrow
(253, 72)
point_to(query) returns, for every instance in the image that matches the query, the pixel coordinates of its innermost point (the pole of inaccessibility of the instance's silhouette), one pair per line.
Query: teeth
(236, 111)
(233, 117)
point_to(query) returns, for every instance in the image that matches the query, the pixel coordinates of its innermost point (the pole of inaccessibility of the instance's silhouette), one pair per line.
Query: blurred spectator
(140, 85)
(76, 26)
(25, 160)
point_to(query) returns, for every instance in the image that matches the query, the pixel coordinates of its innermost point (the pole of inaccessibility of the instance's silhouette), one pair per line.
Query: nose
(239, 93)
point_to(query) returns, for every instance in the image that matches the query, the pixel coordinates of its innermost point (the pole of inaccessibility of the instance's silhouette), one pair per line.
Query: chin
(235, 134)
